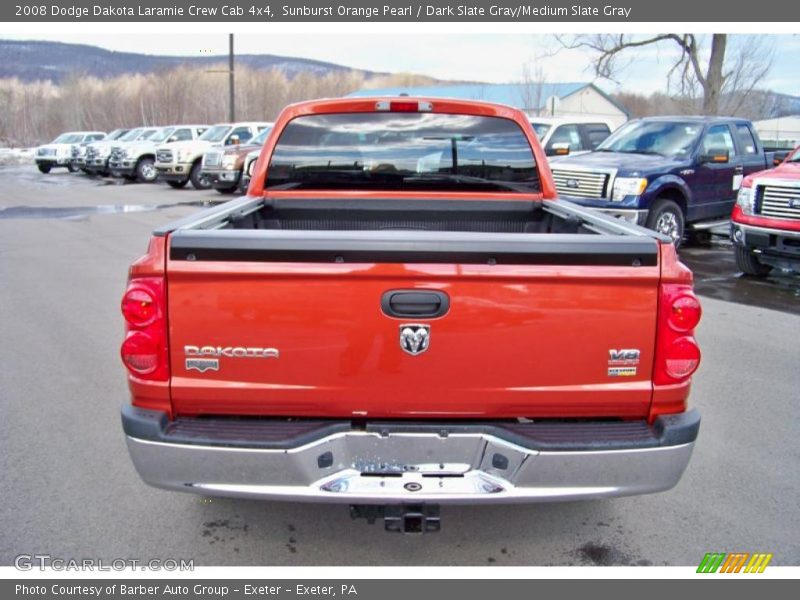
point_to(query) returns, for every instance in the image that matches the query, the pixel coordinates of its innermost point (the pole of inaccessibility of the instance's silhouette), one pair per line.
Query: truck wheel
(666, 217)
(198, 179)
(228, 190)
(146, 171)
(177, 184)
(72, 168)
(43, 168)
(699, 238)
(749, 264)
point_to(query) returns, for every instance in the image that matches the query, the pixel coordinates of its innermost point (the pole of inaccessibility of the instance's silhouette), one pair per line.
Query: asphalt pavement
(69, 490)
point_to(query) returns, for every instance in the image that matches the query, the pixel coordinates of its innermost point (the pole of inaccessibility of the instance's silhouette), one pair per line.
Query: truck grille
(116, 153)
(778, 201)
(91, 153)
(580, 184)
(212, 159)
(76, 152)
(164, 156)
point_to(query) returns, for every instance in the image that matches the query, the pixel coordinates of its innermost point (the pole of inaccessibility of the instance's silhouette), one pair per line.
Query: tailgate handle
(415, 303)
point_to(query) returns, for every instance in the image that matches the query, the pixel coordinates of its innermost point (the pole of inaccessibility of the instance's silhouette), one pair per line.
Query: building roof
(512, 94)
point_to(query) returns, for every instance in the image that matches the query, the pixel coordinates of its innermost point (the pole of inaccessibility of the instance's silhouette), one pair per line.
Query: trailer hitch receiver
(400, 518)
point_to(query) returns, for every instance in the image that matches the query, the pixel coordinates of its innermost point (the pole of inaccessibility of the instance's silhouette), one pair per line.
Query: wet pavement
(716, 276)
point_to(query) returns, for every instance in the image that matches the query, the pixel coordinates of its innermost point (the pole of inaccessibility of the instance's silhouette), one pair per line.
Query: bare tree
(720, 76)
(532, 88)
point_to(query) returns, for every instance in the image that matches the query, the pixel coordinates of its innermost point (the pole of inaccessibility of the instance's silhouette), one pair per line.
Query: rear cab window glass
(403, 151)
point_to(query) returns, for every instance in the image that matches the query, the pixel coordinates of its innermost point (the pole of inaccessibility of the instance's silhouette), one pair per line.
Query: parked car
(402, 314)
(224, 166)
(181, 162)
(765, 225)
(78, 154)
(560, 136)
(666, 173)
(58, 153)
(135, 160)
(99, 153)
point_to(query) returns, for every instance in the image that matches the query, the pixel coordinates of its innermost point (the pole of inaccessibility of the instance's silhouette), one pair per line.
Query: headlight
(628, 186)
(185, 155)
(103, 151)
(745, 200)
(229, 161)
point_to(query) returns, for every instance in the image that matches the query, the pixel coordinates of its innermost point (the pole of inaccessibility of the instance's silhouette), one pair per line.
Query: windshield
(403, 151)
(667, 138)
(261, 137)
(116, 134)
(68, 138)
(131, 135)
(146, 134)
(540, 129)
(215, 134)
(794, 157)
(162, 134)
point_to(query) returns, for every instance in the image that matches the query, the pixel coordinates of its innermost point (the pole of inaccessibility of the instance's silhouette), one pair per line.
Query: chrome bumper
(389, 467)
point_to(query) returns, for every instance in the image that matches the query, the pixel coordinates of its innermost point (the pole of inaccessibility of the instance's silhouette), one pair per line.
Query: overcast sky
(479, 57)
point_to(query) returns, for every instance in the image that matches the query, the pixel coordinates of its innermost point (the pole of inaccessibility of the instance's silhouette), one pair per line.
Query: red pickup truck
(401, 314)
(765, 224)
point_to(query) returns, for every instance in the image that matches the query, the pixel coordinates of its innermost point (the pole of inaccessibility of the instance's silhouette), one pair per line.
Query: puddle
(84, 212)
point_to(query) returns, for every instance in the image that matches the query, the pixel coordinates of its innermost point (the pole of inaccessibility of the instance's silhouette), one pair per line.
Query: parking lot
(69, 489)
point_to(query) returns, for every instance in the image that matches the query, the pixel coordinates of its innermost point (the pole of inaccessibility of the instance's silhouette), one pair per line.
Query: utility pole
(232, 98)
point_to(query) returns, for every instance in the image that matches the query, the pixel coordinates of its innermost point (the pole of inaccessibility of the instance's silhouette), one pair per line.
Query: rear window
(403, 151)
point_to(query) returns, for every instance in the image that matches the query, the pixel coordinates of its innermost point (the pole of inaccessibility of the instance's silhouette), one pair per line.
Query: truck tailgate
(535, 326)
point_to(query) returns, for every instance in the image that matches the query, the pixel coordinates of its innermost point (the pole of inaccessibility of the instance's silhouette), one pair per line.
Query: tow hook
(400, 518)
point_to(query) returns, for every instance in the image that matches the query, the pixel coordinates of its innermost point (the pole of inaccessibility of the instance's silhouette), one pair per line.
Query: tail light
(677, 353)
(144, 350)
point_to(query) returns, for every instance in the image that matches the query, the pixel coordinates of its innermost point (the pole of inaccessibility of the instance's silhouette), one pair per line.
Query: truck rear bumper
(397, 462)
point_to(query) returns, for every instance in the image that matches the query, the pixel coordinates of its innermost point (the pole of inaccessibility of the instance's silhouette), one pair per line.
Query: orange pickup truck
(401, 314)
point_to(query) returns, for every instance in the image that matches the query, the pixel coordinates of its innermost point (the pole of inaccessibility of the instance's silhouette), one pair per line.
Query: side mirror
(779, 157)
(172, 138)
(558, 149)
(715, 155)
(234, 140)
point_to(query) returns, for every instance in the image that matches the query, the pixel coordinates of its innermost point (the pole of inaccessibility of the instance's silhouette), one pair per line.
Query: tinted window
(596, 132)
(746, 141)
(719, 137)
(95, 137)
(403, 151)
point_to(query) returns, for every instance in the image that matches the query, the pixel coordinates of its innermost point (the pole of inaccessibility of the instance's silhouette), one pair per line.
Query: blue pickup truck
(676, 175)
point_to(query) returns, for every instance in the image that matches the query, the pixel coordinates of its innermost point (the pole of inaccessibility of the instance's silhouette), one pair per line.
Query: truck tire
(199, 181)
(177, 185)
(43, 168)
(666, 217)
(146, 171)
(72, 168)
(749, 264)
